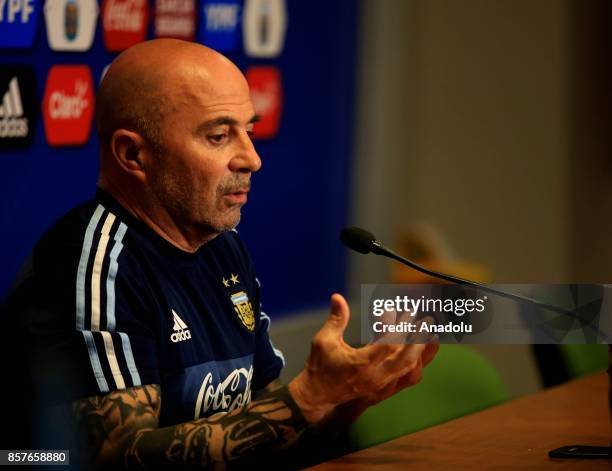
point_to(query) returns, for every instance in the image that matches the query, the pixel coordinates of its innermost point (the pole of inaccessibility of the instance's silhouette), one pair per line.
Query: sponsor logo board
(219, 24)
(18, 21)
(264, 26)
(17, 106)
(124, 23)
(175, 19)
(68, 105)
(266, 88)
(71, 24)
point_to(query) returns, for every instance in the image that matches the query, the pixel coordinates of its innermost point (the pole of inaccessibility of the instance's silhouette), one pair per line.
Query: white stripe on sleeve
(95, 361)
(277, 352)
(112, 275)
(112, 359)
(97, 272)
(80, 281)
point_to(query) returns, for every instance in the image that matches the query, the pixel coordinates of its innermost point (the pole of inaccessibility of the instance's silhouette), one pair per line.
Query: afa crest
(244, 309)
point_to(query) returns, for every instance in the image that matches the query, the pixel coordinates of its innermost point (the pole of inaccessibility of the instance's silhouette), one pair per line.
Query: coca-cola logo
(267, 97)
(68, 105)
(124, 23)
(233, 392)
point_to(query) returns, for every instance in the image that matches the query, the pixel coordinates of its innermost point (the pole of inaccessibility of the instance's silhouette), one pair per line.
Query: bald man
(142, 309)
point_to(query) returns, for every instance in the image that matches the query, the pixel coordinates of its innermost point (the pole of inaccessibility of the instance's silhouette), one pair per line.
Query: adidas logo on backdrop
(17, 106)
(13, 123)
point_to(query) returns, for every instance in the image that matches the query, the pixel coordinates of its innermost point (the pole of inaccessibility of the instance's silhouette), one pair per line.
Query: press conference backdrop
(299, 58)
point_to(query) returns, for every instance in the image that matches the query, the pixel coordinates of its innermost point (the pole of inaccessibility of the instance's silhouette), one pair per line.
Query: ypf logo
(124, 23)
(18, 20)
(175, 19)
(71, 24)
(219, 24)
(264, 27)
(68, 105)
(17, 106)
(267, 97)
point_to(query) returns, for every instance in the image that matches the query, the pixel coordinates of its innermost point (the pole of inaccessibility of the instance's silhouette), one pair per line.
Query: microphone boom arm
(380, 249)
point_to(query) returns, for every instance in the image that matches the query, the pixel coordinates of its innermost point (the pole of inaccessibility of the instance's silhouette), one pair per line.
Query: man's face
(202, 175)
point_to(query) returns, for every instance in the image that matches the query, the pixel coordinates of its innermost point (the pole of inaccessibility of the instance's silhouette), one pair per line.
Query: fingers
(388, 318)
(391, 318)
(377, 352)
(430, 352)
(410, 378)
(391, 362)
(411, 355)
(420, 335)
(386, 363)
(403, 329)
(406, 358)
(338, 316)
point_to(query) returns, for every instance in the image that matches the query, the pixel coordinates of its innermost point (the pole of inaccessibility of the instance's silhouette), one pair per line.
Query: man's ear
(129, 149)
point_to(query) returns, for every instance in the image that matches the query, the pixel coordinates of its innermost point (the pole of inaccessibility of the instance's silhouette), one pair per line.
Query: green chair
(581, 360)
(458, 381)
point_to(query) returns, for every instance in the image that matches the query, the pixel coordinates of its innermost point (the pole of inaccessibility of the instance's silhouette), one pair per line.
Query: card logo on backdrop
(264, 27)
(68, 105)
(219, 24)
(18, 20)
(71, 24)
(124, 23)
(175, 19)
(17, 106)
(267, 96)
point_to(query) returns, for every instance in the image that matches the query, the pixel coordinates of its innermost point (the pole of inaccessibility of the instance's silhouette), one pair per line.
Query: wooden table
(515, 435)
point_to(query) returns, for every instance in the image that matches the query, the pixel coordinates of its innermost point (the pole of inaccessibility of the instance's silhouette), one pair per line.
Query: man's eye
(217, 138)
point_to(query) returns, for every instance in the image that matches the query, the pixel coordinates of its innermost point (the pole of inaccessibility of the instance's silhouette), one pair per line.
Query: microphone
(358, 239)
(364, 242)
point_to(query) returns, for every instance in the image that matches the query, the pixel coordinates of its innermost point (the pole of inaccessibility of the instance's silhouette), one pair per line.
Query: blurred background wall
(490, 122)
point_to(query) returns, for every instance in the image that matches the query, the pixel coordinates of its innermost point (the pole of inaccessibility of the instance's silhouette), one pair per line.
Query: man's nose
(247, 158)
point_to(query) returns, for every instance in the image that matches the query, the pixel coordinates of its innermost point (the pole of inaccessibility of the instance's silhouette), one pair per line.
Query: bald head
(148, 81)
(174, 120)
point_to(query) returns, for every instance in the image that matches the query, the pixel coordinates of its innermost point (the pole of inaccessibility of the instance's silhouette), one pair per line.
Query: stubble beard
(198, 216)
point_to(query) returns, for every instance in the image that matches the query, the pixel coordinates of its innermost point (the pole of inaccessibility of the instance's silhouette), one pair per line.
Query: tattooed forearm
(273, 386)
(122, 429)
(106, 424)
(269, 425)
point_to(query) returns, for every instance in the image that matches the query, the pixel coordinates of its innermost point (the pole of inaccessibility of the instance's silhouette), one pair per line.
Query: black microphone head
(357, 239)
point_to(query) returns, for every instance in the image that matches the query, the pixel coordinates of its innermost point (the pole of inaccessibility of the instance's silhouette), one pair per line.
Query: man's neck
(158, 220)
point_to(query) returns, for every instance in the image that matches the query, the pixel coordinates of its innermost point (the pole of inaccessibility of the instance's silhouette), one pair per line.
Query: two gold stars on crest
(234, 279)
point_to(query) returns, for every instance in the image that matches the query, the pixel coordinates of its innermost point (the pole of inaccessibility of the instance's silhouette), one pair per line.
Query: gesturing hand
(337, 374)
